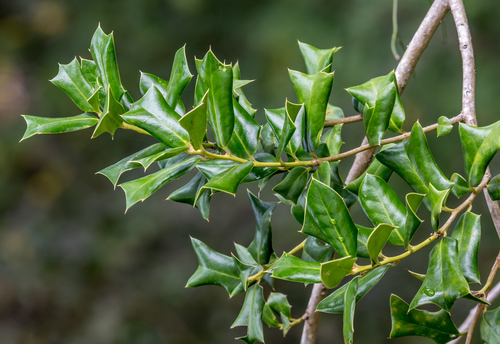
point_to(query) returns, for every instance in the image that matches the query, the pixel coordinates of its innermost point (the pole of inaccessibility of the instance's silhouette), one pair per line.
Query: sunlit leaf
(334, 271)
(467, 232)
(147, 80)
(44, 125)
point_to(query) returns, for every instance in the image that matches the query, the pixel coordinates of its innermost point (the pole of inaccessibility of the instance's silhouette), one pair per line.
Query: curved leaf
(279, 303)
(291, 268)
(147, 80)
(467, 232)
(261, 247)
(490, 331)
(376, 119)
(317, 59)
(240, 96)
(294, 183)
(333, 272)
(444, 126)
(195, 123)
(45, 125)
(349, 306)
(180, 76)
(246, 132)
(315, 251)
(188, 192)
(437, 198)
(110, 119)
(377, 240)
(229, 180)
(166, 153)
(460, 186)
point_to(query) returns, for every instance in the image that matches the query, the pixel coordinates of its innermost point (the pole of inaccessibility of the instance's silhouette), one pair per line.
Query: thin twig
(350, 119)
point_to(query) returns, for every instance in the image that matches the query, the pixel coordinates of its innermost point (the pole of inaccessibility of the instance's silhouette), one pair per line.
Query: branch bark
(417, 45)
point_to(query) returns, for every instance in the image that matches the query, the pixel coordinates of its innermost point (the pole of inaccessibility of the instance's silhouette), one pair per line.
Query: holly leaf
(363, 235)
(240, 96)
(187, 194)
(261, 247)
(294, 183)
(180, 76)
(228, 181)
(437, 326)
(377, 118)
(376, 168)
(333, 272)
(494, 188)
(444, 282)
(140, 189)
(490, 331)
(460, 186)
(334, 303)
(317, 59)
(327, 218)
(437, 199)
(251, 315)
(110, 119)
(315, 251)
(467, 232)
(377, 240)
(166, 153)
(147, 80)
(44, 125)
(214, 268)
(268, 316)
(246, 133)
(323, 173)
(195, 123)
(279, 303)
(294, 269)
(349, 306)
(444, 126)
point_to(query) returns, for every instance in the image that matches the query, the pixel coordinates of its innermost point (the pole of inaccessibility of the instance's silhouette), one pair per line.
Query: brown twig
(351, 119)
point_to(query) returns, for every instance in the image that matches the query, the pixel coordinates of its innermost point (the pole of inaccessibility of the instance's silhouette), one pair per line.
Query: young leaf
(444, 126)
(152, 114)
(71, 80)
(490, 331)
(437, 326)
(294, 269)
(333, 272)
(114, 171)
(460, 186)
(217, 78)
(479, 146)
(494, 187)
(349, 306)
(179, 77)
(313, 91)
(467, 232)
(327, 218)
(195, 123)
(261, 247)
(376, 119)
(102, 49)
(279, 303)
(228, 181)
(377, 240)
(444, 282)
(214, 268)
(317, 59)
(251, 315)
(90, 73)
(140, 189)
(334, 303)
(246, 132)
(188, 192)
(110, 119)
(294, 183)
(44, 125)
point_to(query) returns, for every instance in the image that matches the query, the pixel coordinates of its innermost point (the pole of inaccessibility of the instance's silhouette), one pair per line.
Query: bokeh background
(74, 269)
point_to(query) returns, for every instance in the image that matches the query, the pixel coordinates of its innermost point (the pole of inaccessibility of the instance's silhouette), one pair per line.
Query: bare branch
(351, 119)
(312, 317)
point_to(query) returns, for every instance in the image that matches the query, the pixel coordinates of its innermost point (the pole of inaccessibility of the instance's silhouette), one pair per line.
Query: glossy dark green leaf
(287, 132)
(376, 119)
(382, 206)
(229, 180)
(363, 235)
(334, 303)
(213, 168)
(214, 268)
(286, 323)
(267, 140)
(444, 282)
(147, 80)
(246, 132)
(377, 240)
(251, 315)
(460, 186)
(114, 171)
(179, 77)
(188, 192)
(349, 306)
(140, 189)
(259, 172)
(467, 232)
(285, 121)
(261, 247)
(276, 120)
(437, 199)
(298, 115)
(490, 329)
(418, 276)
(268, 316)
(327, 218)
(152, 114)
(444, 126)
(291, 268)
(244, 271)
(173, 160)
(413, 161)
(367, 94)
(71, 80)
(315, 251)
(333, 112)
(164, 154)
(102, 49)
(479, 146)
(313, 91)
(195, 123)
(376, 168)
(242, 99)
(437, 326)
(494, 187)
(317, 59)
(294, 183)
(217, 78)
(126, 100)
(279, 303)
(298, 210)
(412, 222)
(333, 272)
(45, 125)
(110, 119)
(323, 173)
(89, 71)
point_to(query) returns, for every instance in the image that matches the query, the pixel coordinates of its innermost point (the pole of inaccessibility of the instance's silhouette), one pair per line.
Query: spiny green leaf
(334, 271)
(317, 59)
(152, 114)
(240, 95)
(349, 306)
(217, 78)
(490, 331)
(90, 73)
(245, 271)
(268, 316)
(298, 210)
(214, 268)
(279, 303)
(479, 146)
(460, 186)
(323, 173)
(286, 323)
(71, 80)
(377, 240)
(444, 282)
(467, 232)
(291, 268)
(363, 235)
(376, 119)
(246, 132)
(418, 276)
(437, 326)
(444, 126)
(140, 189)
(286, 133)
(147, 80)
(267, 142)
(258, 172)
(229, 180)
(180, 76)
(298, 115)
(164, 154)
(313, 91)
(251, 315)
(294, 183)
(110, 119)
(412, 222)
(195, 123)
(334, 303)
(44, 125)
(377, 169)
(188, 192)
(437, 199)
(213, 168)
(327, 218)
(261, 247)
(173, 160)
(333, 112)
(494, 187)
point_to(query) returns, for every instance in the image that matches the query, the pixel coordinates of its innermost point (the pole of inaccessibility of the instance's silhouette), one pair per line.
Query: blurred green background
(74, 269)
